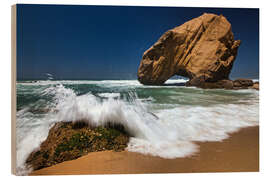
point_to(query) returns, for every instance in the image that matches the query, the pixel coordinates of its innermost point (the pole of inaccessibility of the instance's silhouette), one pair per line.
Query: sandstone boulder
(202, 49)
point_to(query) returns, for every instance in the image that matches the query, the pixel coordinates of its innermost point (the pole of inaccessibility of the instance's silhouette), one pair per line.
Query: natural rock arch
(202, 49)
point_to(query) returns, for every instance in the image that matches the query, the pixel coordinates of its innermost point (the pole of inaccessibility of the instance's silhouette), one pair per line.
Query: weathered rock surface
(224, 84)
(256, 86)
(242, 83)
(202, 49)
(67, 141)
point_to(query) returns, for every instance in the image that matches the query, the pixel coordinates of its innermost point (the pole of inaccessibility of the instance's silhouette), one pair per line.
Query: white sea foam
(167, 133)
(109, 95)
(31, 130)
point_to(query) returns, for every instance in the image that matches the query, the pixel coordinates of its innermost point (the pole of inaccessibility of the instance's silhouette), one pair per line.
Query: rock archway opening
(176, 80)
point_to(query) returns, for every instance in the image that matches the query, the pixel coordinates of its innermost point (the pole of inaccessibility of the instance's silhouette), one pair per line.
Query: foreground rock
(202, 49)
(67, 141)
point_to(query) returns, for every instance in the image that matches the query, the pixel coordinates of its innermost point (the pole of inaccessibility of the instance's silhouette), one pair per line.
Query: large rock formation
(202, 49)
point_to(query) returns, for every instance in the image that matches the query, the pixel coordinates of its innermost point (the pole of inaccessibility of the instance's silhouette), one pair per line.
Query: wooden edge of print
(13, 87)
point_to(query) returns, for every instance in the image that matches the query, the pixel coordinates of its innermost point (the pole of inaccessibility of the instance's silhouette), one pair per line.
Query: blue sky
(107, 42)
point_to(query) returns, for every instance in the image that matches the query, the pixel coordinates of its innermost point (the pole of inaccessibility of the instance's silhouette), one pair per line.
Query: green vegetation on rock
(67, 141)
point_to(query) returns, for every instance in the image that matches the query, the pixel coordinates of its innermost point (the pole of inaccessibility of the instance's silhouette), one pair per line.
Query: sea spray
(163, 121)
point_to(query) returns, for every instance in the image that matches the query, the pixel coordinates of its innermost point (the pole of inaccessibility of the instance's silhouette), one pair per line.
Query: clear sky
(107, 42)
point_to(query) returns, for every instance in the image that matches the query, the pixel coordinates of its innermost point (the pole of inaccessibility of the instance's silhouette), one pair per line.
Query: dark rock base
(224, 84)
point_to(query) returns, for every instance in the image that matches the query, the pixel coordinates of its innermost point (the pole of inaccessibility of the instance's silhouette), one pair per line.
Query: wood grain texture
(13, 86)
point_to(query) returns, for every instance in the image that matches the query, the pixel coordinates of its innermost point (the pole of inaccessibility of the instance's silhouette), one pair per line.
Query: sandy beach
(239, 153)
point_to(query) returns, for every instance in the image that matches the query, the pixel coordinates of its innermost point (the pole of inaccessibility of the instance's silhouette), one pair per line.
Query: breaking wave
(167, 132)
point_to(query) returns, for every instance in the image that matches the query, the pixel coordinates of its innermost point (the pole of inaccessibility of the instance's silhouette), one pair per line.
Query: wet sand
(239, 153)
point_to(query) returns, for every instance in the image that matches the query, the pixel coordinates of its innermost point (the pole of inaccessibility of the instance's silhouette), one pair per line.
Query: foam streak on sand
(239, 153)
(164, 132)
